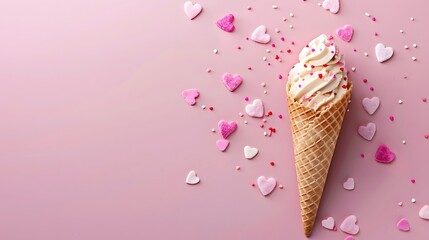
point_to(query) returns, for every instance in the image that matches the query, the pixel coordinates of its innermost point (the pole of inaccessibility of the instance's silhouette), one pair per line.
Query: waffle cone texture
(315, 135)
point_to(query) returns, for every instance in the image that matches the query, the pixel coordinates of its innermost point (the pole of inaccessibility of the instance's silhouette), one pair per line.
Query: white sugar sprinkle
(411, 18)
(203, 107)
(284, 19)
(237, 168)
(263, 84)
(413, 200)
(245, 122)
(265, 133)
(290, 26)
(406, 46)
(401, 31)
(400, 101)
(414, 58)
(367, 14)
(268, 50)
(208, 70)
(277, 30)
(291, 15)
(275, 7)
(265, 92)
(414, 45)
(353, 69)
(319, 4)
(366, 54)
(213, 130)
(215, 51)
(403, 142)
(264, 58)
(400, 204)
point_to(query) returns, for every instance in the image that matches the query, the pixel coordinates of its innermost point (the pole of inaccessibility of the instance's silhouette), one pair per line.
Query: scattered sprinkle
(211, 108)
(245, 122)
(265, 92)
(414, 58)
(263, 84)
(265, 133)
(424, 99)
(284, 19)
(376, 34)
(374, 19)
(406, 46)
(353, 69)
(414, 45)
(291, 14)
(367, 14)
(268, 50)
(275, 7)
(281, 186)
(290, 26)
(249, 8)
(203, 107)
(215, 51)
(403, 142)
(237, 168)
(280, 76)
(246, 99)
(365, 81)
(371, 88)
(264, 58)
(401, 31)
(411, 18)
(241, 114)
(213, 130)
(426, 136)
(280, 116)
(413, 180)
(366, 54)
(400, 101)
(413, 200)
(272, 163)
(392, 118)
(277, 30)
(400, 204)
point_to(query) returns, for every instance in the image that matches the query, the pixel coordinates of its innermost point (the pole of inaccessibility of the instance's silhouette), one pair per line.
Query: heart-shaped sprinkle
(231, 81)
(368, 131)
(403, 225)
(222, 144)
(192, 10)
(250, 152)
(328, 223)
(259, 35)
(226, 128)
(349, 184)
(345, 33)
(349, 225)
(424, 212)
(255, 109)
(192, 178)
(383, 53)
(384, 155)
(226, 24)
(371, 104)
(349, 238)
(189, 95)
(266, 186)
(332, 5)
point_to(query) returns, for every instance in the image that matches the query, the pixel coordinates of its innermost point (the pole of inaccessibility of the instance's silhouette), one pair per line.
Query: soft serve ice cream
(320, 78)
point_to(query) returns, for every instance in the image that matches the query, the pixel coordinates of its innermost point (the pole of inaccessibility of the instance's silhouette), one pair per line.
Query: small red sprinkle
(427, 136)
(344, 86)
(269, 64)
(211, 108)
(238, 47)
(280, 76)
(247, 38)
(365, 81)
(325, 65)
(272, 163)
(288, 51)
(282, 38)
(376, 34)
(371, 88)
(280, 116)
(277, 57)
(342, 69)
(392, 118)
(374, 19)
(273, 130)
(354, 50)
(270, 113)
(246, 99)
(320, 75)
(362, 155)
(270, 128)
(312, 66)
(413, 180)
(424, 99)
(273, 45)
(253, 185)
(249, 68)
(305, 65)
(293, 43)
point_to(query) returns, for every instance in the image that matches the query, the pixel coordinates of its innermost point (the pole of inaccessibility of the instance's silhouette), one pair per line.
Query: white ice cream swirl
(320, 77)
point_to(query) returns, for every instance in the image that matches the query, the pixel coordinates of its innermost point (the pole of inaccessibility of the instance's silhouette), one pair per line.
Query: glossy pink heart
(403, 225)
(368, 131)
(192, 10)
(226, 128)
(226, 24)
(345, 33)
(384, 155)
(266, 186)
(349, 225)
(222, 144)
(371, 104)
(189, 95)
(232, 81)
(332, 5)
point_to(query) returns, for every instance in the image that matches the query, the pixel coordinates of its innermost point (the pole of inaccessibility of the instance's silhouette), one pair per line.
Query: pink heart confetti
(345, 33)
(371, 104)
(192, 10)
(259, 35)
(349, 238)
(403, 225)
(328, 223)
(349, 225)
(368, 131)
(384, 155)
(222, 144)
(266, 186)
(232, 81)
(255, 109)
(332, 5)
(189, 95)
(226, 24)
(226, 128)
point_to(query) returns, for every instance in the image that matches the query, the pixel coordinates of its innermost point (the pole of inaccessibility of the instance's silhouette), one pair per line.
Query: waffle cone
(315, 135)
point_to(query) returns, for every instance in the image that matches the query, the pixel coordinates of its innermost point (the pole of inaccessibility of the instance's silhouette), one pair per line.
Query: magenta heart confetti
(384, 155)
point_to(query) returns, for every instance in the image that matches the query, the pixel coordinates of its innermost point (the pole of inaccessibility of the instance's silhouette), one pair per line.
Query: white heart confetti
(266, 186)
(349, 184)
(328, 223)
(192, 10)
(192, 178)
(255, 109)
(259, 35)
(383, 53)
(250, 152)
(424, 212)
(349, 225)
(332, 5)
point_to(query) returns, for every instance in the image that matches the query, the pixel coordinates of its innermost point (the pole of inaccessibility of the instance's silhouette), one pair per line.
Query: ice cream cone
(315, 134)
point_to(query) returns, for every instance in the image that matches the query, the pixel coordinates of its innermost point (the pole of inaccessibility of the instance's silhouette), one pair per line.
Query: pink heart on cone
(368, 131)
(226, 128)
(384, 155)
(349, 225)
(371, 104)
(232, 81)
(192, 10)
(226, 24)
(266, 186)
(332, 5)
(222, 144)
(189, 95)
(403, 225)
(345, 33)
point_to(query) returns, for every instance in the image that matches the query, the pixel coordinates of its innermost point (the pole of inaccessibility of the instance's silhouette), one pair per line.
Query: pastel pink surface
(96, 137)
(231, 81)
(226, 23)
(266, 185)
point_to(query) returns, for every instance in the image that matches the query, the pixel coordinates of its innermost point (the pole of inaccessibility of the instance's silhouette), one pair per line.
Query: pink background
(96, 141)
